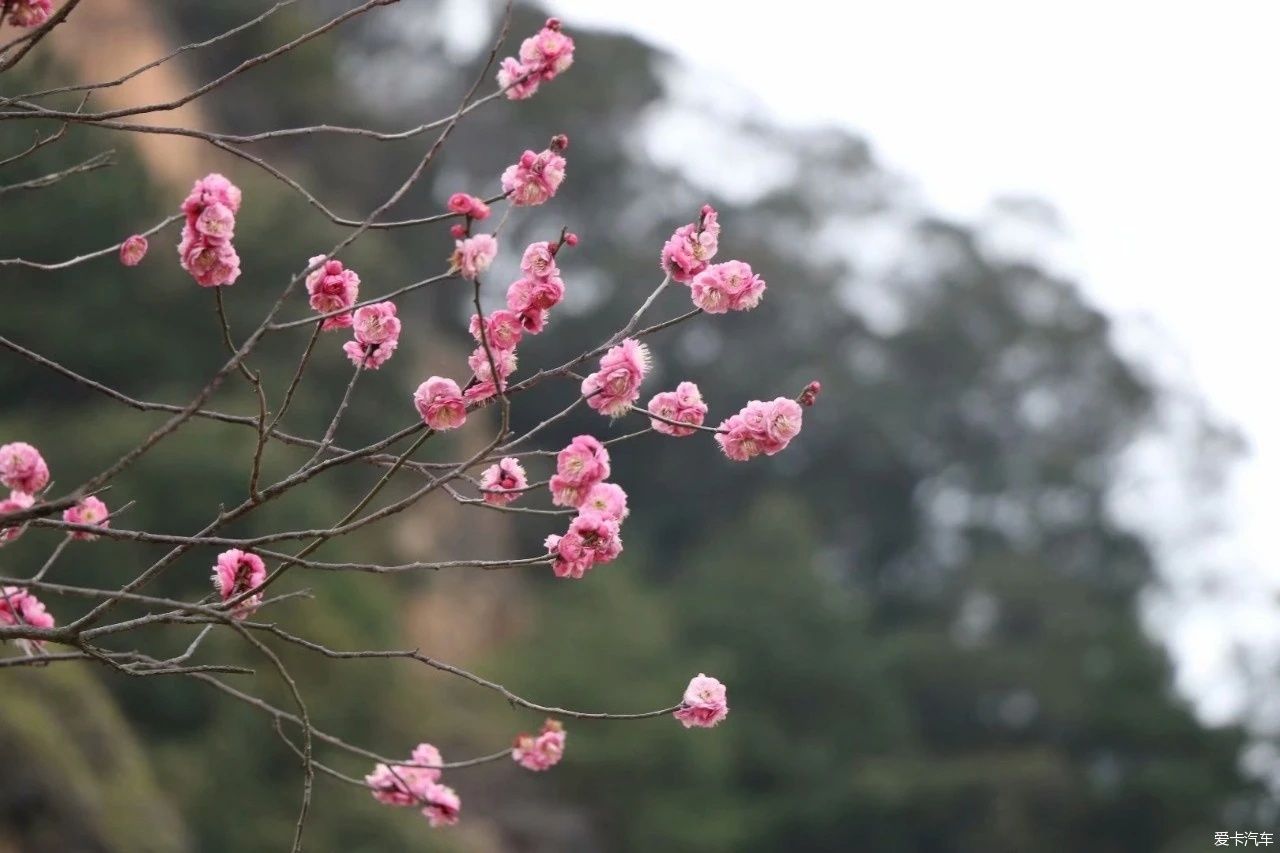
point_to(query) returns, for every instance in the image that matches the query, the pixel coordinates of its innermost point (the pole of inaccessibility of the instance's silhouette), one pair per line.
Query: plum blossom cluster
(529, 300)
(612, 388)
(377, 334)
(686, 252)
(20, 607)
(705, 703)
(543, 56)
(541, 751)
(760, 427)
(503, 481)
(594, 535)
(205, 250)
(33, 13)
(681, 406)
(417, 783)
(540, 289)
(535, 177)
(332, 287)
(235, 573)
(23, 471)
(715, 288)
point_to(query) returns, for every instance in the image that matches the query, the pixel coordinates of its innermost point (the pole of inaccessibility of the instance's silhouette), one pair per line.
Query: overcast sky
(1151, 127)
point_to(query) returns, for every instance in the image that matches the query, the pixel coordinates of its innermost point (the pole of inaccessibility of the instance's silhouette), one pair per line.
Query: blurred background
(1009, 590)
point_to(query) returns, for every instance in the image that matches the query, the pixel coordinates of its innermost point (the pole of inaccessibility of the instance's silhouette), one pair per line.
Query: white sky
(1152, 127)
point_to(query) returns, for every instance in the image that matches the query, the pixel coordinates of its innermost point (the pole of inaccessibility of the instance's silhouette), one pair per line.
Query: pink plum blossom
(133, 250)
(531, 298)
(684, 405)
(809, 395)
(205, 249)
(439, 402)
(473, 255)
(730, 286)
(19, 607)
(539, 260)
(760, 428)
(469, 206)
(15, 502)
(705, 703)
(534, 178)
(543, 57)
(549, 51)
(30, 13)
(377, 334)
(404, 785)
(543, 751)
(616, 385)
(609, 500)
(502, 329)
(332, 287)
(370, 356)
(484, 386)
(502, 482)
(235, 573)
(22, 468)
(592, 539)
(579, 467)
(687, 251)
(90, 510)
(518, 80)
(443, 805)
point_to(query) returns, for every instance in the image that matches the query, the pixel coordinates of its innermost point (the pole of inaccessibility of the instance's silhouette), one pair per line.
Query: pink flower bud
(809, 395)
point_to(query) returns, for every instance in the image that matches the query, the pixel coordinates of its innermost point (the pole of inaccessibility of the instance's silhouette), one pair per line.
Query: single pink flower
(211, 189)
(543, 751)
(439, 402)
(133, 250)
(473, 255)
(809, 395)
(539, 260)
(502, 483)
(599, 534)
(549, 51)
(30, 13)
(15, 502)
(216, 222)
(376, 324)
(572, 559)
(502, 329)
(683, 404)
(531, 299)
(425, 753)
(19, 607)
(689, 249)
(517, 79)
(235, 573)
(616, 385)
(332, 287)
(609, 500)
(705, 703)
(88, 511)
(22, 468)
(370, 356)
(579, 467)
(534, 178)
(443, 805)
